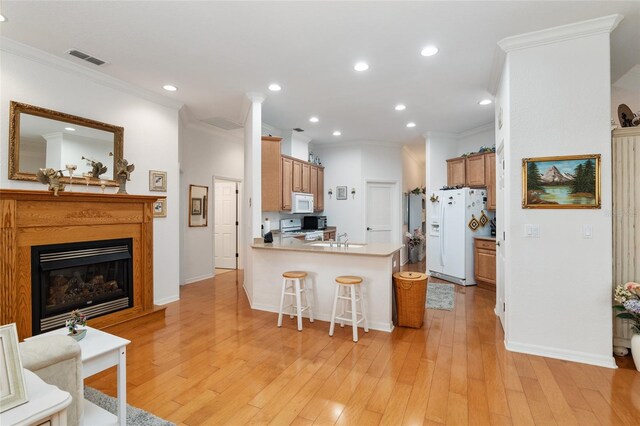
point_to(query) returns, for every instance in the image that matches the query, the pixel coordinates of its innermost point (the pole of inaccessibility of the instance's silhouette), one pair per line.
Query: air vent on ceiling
(86, 57)
(223, 123)
(298, 129)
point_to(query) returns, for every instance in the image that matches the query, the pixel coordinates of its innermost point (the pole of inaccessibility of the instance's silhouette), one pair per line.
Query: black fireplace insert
(94, 276)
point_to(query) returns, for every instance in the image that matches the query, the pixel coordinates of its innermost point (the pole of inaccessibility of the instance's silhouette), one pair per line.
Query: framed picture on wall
(568, 182)
(196, 206)
(341, 192)
(157, 181)
(160, 208)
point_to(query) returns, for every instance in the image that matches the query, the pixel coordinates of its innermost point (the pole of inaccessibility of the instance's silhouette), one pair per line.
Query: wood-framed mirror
(40, 137)
(198, 205)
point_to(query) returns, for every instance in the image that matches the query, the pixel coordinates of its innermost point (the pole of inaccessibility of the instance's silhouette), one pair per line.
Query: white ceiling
(215, 52)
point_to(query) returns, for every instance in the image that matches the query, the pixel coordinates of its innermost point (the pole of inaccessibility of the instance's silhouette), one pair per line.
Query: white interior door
(500, 234)
(225, 224)
(381, 212)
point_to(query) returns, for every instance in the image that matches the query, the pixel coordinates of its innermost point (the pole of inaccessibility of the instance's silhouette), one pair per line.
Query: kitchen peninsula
(375, 263)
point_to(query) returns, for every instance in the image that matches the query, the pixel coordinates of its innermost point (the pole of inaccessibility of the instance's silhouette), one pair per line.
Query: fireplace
(95, 277)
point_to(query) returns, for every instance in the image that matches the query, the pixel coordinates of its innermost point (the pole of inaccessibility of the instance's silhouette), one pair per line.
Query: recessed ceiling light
(337, 133)
(485, 102)
(314, 119)
(2, 18)
(275, 87)
(429, 51)
(411, 124)
(361, 66)
(71, 129)
(400, 107)
(169, 88)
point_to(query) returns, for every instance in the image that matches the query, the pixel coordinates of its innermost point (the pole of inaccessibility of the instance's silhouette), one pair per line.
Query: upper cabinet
(456, 171)
(474, 171)
(271, 173)
(490, 173)
(282, 175)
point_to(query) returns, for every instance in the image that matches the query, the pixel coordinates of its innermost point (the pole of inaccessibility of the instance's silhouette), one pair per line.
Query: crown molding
(602, 25)
(19, 49)
(476, 130)
(445, 135)
(497, 66)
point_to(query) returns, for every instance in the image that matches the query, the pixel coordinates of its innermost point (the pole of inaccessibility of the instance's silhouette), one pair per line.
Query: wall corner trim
(19, 49)
(563, 354)
(601, 25)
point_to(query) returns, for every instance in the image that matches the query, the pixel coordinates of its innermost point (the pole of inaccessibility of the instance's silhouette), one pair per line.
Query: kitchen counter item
(410, 289)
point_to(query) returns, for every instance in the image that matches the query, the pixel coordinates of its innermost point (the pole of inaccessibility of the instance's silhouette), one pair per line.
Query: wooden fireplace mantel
(31, 218)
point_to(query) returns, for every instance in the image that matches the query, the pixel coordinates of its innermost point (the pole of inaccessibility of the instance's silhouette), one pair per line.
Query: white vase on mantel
(635, 350)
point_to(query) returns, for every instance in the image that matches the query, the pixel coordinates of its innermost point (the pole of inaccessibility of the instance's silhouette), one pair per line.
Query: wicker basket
(411, 295)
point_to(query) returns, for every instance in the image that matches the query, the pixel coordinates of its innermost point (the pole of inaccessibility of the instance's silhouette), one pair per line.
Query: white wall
(295, 145)
(413, 176)
(439, 147)
(205, 152)
(150, 135)
(558, 291)
(352, 166)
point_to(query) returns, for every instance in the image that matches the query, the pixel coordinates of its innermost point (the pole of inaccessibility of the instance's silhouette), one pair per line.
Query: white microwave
(301, 202)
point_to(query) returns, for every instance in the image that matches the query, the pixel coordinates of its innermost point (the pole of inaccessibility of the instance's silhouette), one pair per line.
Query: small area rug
(440, 296)
(135, 416)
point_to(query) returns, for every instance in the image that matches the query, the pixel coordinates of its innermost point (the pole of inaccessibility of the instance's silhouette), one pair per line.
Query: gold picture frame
(160, 207)
(562, 182)
(157, 181)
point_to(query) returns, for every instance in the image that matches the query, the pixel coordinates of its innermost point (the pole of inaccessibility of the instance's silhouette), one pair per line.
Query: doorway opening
(226, 225)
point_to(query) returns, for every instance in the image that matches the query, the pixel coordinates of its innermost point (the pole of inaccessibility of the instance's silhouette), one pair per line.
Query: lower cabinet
(485, 263)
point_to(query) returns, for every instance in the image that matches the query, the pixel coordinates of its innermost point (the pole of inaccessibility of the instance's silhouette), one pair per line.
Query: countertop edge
(269, 246)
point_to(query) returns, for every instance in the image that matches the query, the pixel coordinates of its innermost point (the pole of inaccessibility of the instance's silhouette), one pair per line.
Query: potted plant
(77, 319)
(415, 242)
(628, 296)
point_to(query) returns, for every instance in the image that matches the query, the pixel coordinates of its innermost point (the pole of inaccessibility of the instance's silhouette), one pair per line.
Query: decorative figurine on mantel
(51, 177)
(123, 174)
(97, 168)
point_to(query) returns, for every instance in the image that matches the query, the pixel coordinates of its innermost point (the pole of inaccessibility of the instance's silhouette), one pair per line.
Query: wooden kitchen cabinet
(296, 179)
(475, 171)
(456, 173)
(319, 200)
(287, 182)
(490, 179)
(271, 169)
(329, 234)
(306, 178)
(485, 263)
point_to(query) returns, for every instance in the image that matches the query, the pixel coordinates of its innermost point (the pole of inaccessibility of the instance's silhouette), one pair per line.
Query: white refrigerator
(450, 247)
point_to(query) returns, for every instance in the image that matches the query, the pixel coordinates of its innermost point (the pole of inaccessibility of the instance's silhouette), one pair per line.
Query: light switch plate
(587, 232)
(531, 231)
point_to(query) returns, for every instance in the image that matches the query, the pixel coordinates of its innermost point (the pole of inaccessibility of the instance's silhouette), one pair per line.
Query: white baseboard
(563, 354)
(248, 297)
(166, 300)
(198, 278)
(327, 318)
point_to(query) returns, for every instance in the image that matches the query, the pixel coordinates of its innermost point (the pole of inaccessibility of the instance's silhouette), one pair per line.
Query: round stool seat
(294, 274)
(349, 279)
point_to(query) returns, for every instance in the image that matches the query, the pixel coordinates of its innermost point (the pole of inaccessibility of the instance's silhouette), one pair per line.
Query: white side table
(46, 403)
(99, 351)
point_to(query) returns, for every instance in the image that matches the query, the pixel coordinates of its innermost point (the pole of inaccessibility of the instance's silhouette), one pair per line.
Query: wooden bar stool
(349, 288)
(294, 284)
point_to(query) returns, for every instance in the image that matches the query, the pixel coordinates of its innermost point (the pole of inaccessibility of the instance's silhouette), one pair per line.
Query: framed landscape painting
(569, 182)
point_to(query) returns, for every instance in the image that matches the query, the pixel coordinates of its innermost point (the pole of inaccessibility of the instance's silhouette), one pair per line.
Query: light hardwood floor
(215, 361)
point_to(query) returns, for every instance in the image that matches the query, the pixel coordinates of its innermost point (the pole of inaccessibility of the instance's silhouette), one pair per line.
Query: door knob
(368, 229)
(498, 243)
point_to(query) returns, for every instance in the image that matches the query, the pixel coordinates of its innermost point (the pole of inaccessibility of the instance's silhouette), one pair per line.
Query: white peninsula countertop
(375, 263)
(358, 249)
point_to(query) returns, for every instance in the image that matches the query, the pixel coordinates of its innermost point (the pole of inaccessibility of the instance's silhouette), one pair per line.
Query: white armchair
(56, 360)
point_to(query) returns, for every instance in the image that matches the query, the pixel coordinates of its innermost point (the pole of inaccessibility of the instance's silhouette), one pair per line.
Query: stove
(290, 228)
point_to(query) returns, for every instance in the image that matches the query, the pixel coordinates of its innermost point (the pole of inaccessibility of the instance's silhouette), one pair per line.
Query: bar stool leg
(307, 292)
(284, 286)
(362, 305)
(343, 303)
(333, 311)
(354, 313)
(298, 303)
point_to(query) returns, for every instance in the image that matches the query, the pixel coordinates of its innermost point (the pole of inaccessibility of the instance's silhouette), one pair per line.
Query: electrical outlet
(531, 231)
